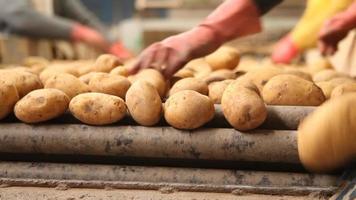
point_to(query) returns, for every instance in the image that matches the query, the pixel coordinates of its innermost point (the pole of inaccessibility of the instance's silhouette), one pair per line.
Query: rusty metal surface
(154, 142)
(183, 179)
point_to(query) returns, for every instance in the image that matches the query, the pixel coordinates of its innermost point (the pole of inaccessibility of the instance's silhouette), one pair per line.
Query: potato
(41, 105)
(188, 110)
(55, 69)
(341, 80)
(184, 73)
(155, 78)
(87, 77)
(97, 108)
(109, 84)
(199, 67)
(224, 58)
(68, 84)
(24, 82)
(261, 76)
(8, 98)
(120, 71)
(216, 90)
(298, 73)
(326, 75)
(220, 75)
(326, 138)
(343, 89)
(34, 61)
(144, 103)
(242, 106)
(190, 84)
(292, 90)
(106, 63)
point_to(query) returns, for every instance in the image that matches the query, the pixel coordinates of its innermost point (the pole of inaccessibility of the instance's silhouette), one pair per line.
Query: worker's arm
(18, 17)
(232, 19)
(336, 29)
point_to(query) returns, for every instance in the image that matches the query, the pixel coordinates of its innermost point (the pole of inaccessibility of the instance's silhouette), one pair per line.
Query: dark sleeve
(75, 10)
(266, 5)
(18, 17)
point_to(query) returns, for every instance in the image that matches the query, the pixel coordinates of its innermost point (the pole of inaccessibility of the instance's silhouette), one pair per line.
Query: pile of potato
(101, 92)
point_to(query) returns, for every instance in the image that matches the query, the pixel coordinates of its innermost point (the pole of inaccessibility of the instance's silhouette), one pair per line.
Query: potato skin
(326, 75)
(298, 73)
(216, 90)
(8, 98)
(260, 77)
(144, 103)
(24, 82)
(121, 71)
(188, 110)
(343, 89)
(190, 84)
(87, 77)
(242, 106)
(97, 108)
(67, 83)
(106, 63)
(155, 78)
(224, 58)
(109, 84)
(330, 125)
(220, 75)
(41, 105)
(292, 90)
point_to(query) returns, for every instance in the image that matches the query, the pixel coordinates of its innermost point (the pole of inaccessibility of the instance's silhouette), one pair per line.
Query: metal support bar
(184, 179)
(154, 142)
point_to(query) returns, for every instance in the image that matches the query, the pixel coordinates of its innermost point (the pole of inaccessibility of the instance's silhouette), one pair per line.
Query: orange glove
(230, 20)
(285, 50)
(120, 51)
(336, 29)
(89, 36)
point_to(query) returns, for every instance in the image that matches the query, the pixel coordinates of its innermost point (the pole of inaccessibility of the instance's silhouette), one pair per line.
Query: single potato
(120, 71)
(24, 82)
(109, 84)
(188, 110)
(8, 98)
(144, 103)
(190, 84)
(216, 90)
(326, 138)
(343, 89)
(299, 73)
(224, 58)
(292, 90)
(242, 105)
(67, 83)
(41, 105)
(326, 75)
(155, 78)
(106, 63)
(220, 75)
(97, 108)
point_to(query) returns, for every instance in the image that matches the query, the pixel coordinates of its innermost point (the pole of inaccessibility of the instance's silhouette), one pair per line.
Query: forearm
(27, 22)
(350, 15)
(232, 19)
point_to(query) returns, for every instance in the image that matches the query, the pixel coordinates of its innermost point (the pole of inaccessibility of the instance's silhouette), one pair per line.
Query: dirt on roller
(63, 193)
